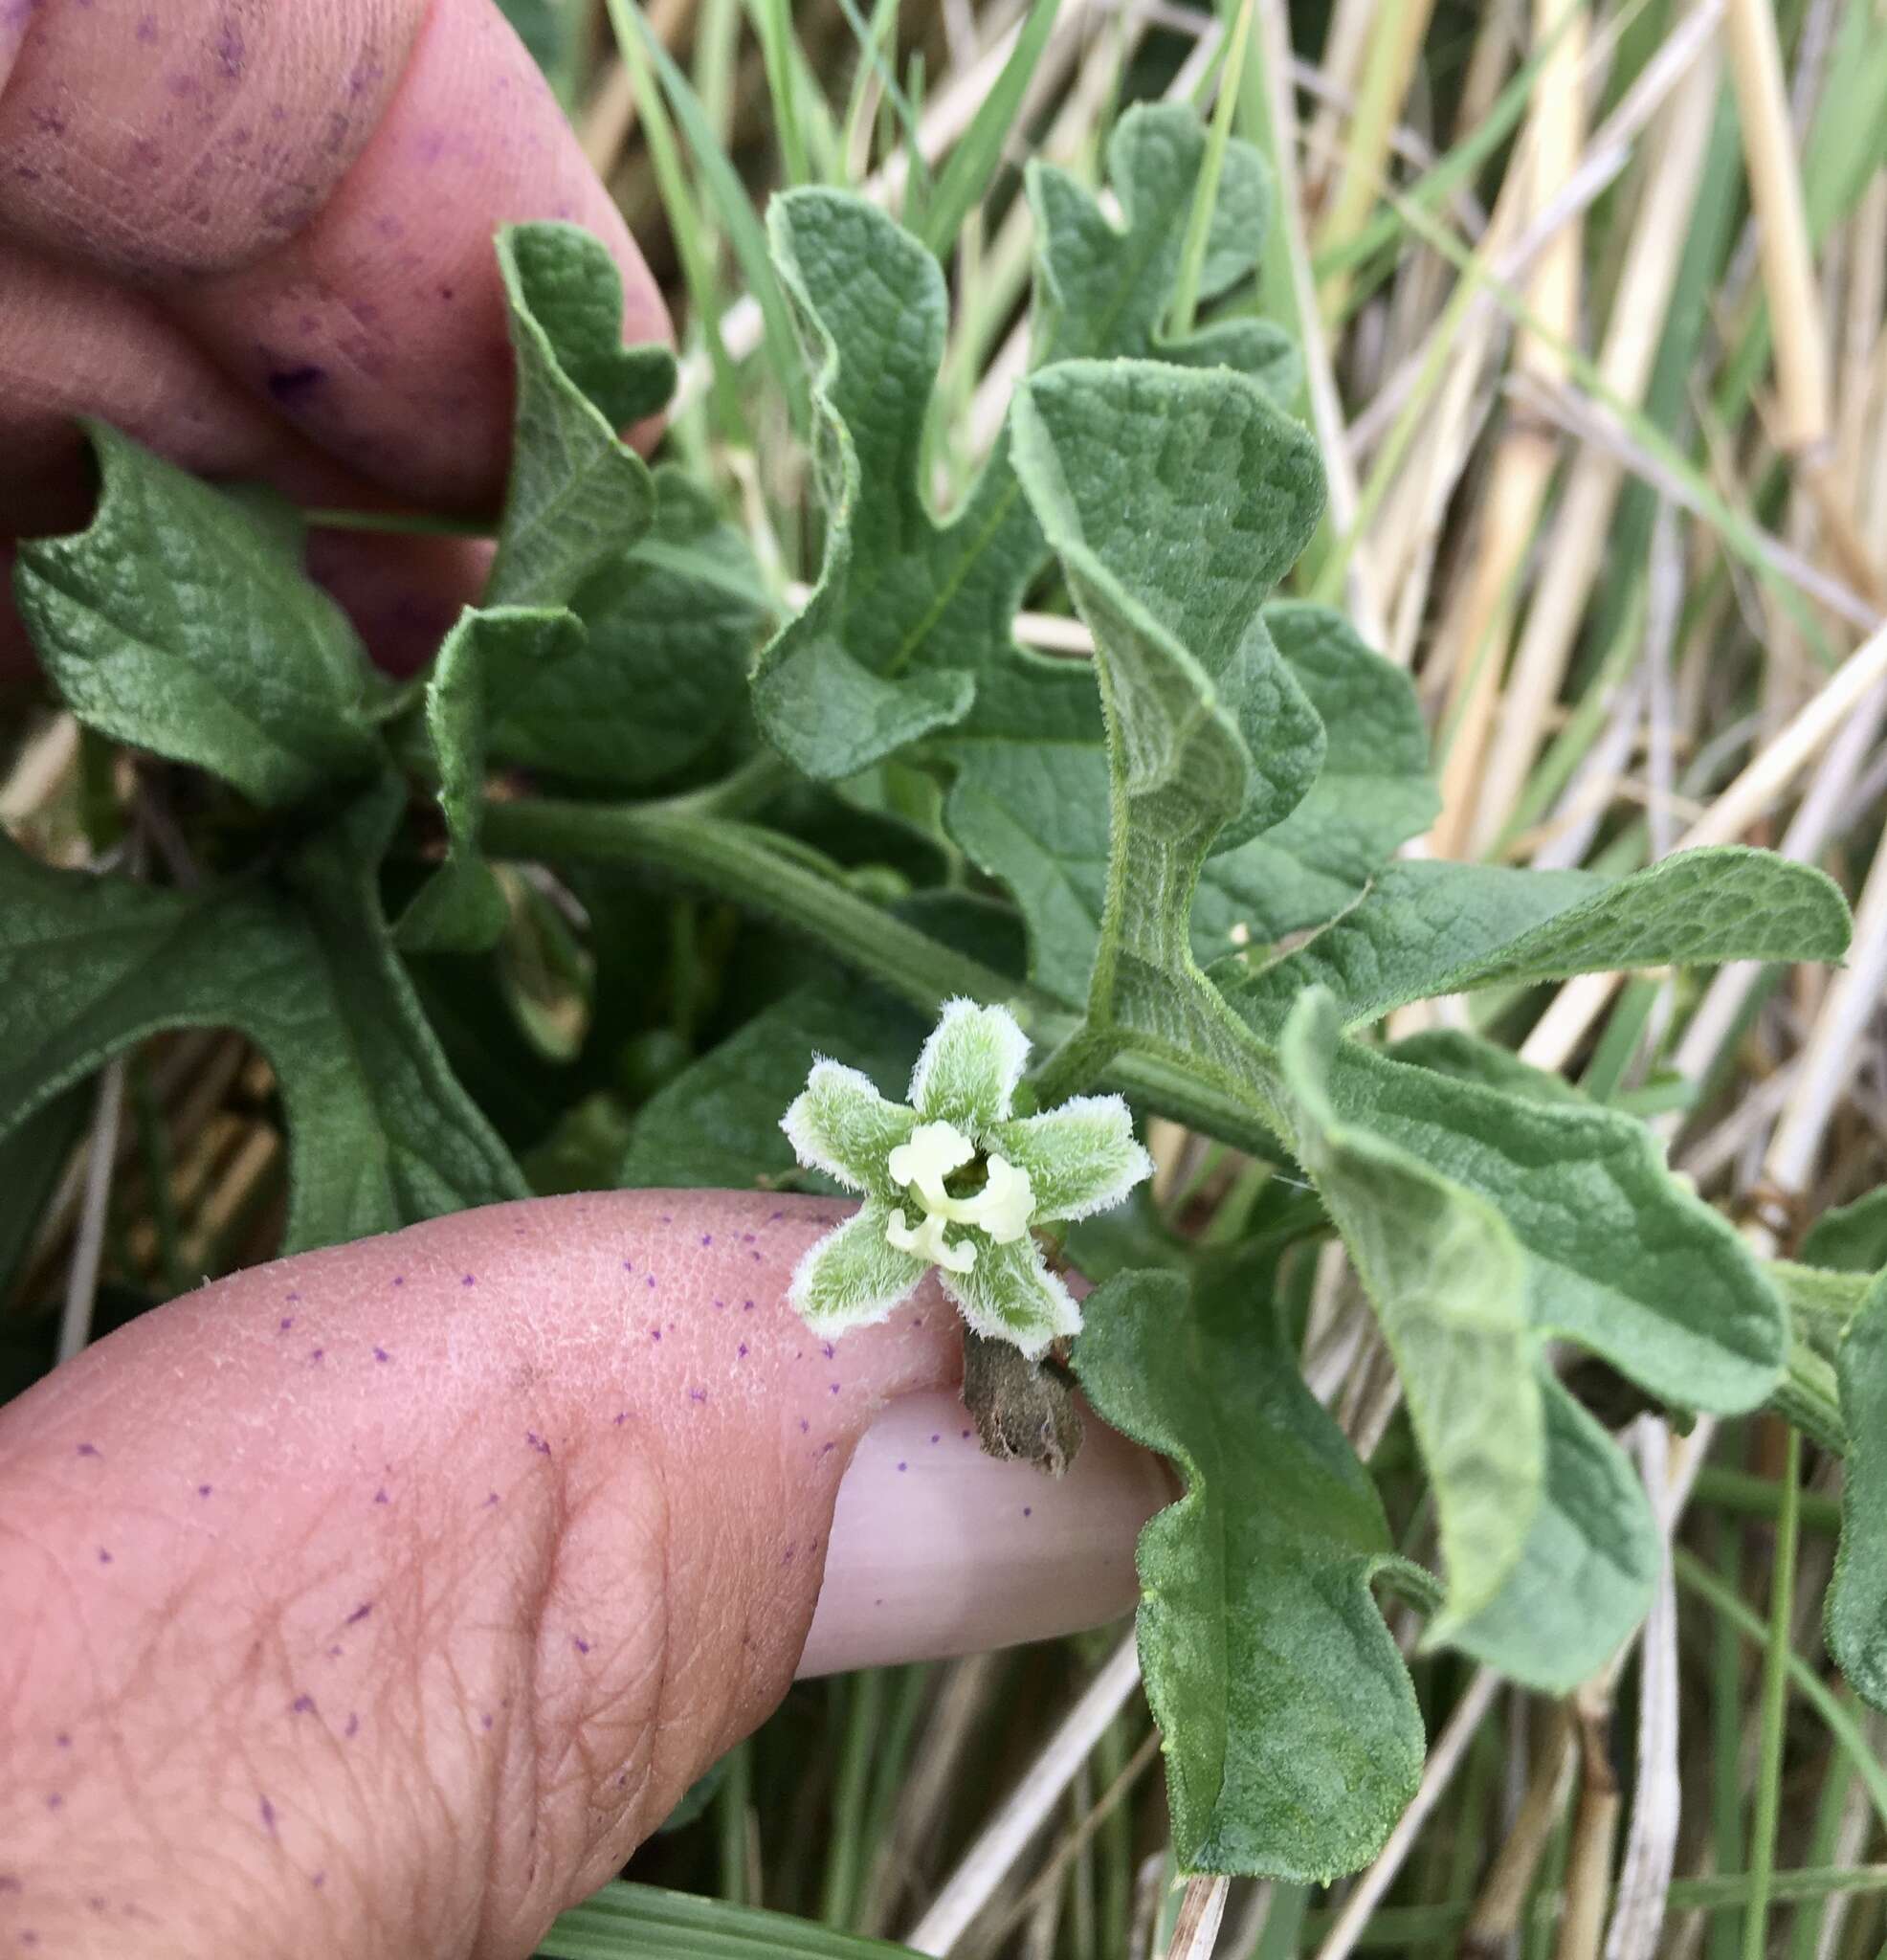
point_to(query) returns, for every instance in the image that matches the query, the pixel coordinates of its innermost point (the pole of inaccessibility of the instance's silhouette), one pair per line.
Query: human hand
(260, 241)
(380, 1601)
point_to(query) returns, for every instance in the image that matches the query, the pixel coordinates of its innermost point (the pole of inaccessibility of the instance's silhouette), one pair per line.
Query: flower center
(1002, 1207)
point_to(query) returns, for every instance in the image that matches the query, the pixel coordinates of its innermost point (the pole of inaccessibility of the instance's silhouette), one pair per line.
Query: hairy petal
(1079, 1158)
(840, 1125)
(1010, 1295)
(969, 1067)
(853, 1276)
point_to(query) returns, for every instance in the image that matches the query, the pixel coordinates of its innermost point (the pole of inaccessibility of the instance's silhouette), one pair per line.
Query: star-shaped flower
(952, 1180)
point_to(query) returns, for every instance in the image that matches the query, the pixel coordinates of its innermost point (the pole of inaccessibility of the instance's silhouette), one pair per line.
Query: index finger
(312, 192)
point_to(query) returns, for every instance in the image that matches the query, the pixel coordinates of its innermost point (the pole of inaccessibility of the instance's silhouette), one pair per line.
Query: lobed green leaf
(908, 610)
(1586, 1571)
(1856, 1607)
(179, 621)
(1430, 929)
(717, 1122)
(1214, 492)
(1029, 799)
(461, 908)
(1852, 1236)
(669, 625)
(1619, 1256)
(578, 496)
(1449, 1286)
(381, 1134)
(1292, 1736)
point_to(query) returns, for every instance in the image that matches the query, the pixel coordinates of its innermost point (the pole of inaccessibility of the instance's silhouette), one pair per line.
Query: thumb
(417, 1579)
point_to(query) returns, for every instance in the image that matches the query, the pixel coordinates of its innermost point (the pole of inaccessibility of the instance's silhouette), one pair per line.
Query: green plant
(1173, 866)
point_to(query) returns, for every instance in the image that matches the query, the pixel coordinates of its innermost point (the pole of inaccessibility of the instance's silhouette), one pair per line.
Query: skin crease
(258, 238)
(383, 1599)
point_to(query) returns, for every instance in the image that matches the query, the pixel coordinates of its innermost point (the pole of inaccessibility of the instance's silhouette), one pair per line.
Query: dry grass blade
(1595, 1820)
(990, 1860)
(1360, 589)
(1650, 1844)
(1576, 541)
(1524, 462)
(1560, 1030)
(1501, 1903)
(1196, 1932)
(1782, 228)
(82, 1286)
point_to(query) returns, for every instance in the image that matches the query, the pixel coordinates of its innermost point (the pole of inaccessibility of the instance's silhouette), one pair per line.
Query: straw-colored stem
(1576, 542)
(1389, 69)
(1594, 1825)
(1781, 226)
(1579, 1003)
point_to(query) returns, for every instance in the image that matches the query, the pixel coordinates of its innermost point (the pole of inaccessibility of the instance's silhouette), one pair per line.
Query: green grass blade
(772, 21)
(1447, 175)
(1741, 537)
(973, 162)
(1776, 1657)
(739, 219)
(644, 1923)
(679, 201)
(716, 63)
(1694, 1576)
(873, 37)
(1192, 259)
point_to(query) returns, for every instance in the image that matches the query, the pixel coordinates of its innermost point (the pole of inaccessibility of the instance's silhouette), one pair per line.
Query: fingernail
(938, 1549)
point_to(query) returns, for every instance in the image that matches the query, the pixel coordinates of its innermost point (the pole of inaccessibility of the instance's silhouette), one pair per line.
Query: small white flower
(1061, 1165)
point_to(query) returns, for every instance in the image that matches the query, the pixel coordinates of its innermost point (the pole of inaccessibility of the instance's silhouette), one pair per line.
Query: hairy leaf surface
(180, 622)
(718, 1123)
(1029, 799)
(578, 496)
(1430, 929)
(1856, 1609)
(460, 908)
(1174, 501)
(1586, 1572)
(671, 625)
(1620, 1257)
(909, 611)
(1292, 1737)
(1448, 1283)
(1852, 1236)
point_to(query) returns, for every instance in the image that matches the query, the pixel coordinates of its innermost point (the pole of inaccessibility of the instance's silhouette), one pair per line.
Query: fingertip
(937, 1550)
(379, 329)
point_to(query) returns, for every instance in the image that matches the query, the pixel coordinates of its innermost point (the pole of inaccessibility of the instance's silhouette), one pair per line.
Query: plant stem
(1078, 1064)
(736, 862)
(749, 788)
(1761, 1497)
(1723, 1936)
(739, 863)
(399, 522)
(1775, 1704)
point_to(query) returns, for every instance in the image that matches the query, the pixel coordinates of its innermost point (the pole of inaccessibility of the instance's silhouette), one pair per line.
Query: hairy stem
(743, 865)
